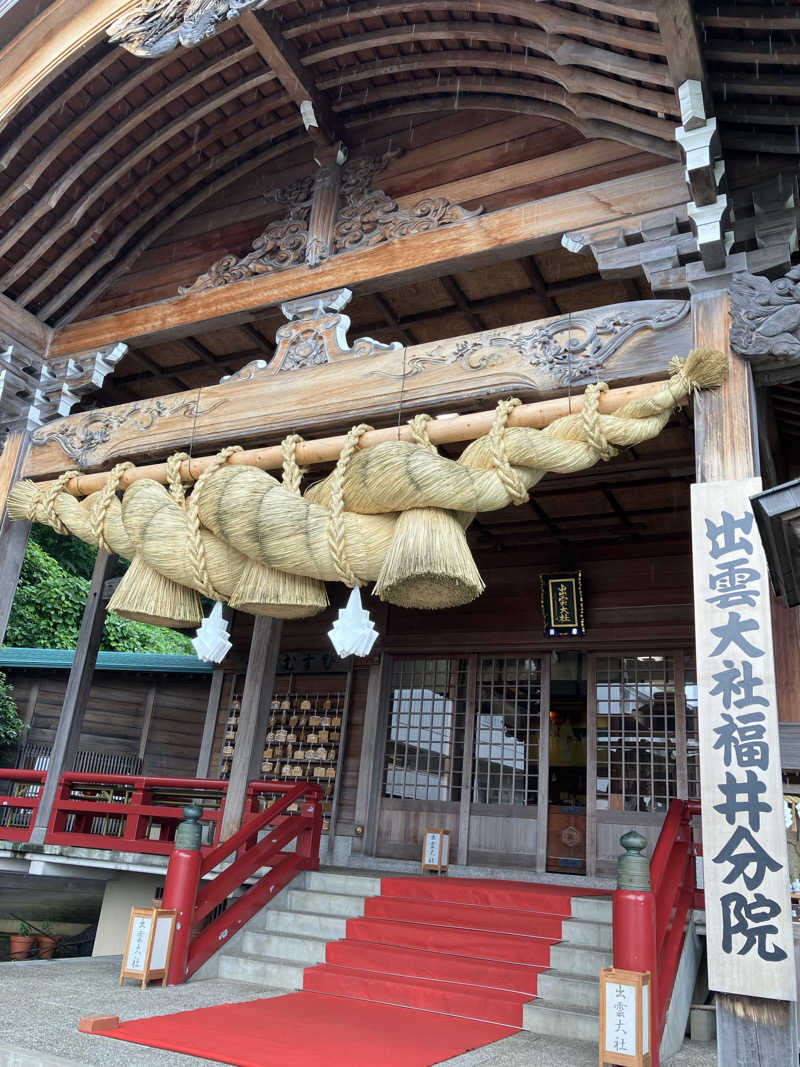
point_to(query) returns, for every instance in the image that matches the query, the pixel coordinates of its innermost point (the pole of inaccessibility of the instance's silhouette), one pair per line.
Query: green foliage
(24, 930)
(11, 725)
(50, 599)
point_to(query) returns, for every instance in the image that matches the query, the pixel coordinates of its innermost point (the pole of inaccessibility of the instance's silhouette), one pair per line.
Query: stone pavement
(42, 1002)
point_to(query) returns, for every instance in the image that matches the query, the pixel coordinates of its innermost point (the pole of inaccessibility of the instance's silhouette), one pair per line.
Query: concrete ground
(42, 1002)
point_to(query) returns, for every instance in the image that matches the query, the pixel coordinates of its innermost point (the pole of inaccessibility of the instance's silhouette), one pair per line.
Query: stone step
(560, 989)
(292, 948)
(325, 903)
(358, 885)
(262, 970)
(326, 927)
(601, 935)
(544, 1019)
(592, 909)
(585, 960)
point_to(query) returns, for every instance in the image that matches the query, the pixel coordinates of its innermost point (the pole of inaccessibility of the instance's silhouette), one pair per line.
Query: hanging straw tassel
(429, 564)
(265, 590)
(144, 595)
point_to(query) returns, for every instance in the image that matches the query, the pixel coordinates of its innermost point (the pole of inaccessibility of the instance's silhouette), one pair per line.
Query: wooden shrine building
(249, 247)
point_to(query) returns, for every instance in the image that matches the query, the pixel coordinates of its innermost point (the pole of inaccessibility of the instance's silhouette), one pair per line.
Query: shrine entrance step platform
(444, 965)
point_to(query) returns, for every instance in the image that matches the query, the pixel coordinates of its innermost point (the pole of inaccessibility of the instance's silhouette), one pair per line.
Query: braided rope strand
(336, 528)
(197, 551)
(99, 514)
(292, 472)
(177, 490)
(497, 444)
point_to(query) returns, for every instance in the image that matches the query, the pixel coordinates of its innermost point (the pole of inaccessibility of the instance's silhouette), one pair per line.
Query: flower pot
(21, 945)
(47, 946)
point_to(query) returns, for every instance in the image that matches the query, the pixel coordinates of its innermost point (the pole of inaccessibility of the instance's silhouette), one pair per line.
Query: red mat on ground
(313, 1030)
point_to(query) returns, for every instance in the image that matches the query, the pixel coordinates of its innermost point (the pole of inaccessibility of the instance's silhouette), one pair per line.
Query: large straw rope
(343, 526)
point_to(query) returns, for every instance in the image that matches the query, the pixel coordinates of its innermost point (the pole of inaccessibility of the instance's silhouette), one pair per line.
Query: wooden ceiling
(116, 146)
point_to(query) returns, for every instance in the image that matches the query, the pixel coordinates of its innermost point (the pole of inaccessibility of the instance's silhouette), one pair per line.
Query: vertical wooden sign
(149, 945)
(745, 863)
(435, 850)
(624, 1018)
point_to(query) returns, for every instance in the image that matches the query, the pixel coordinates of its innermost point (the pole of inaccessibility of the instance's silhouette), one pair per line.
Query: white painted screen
(158, 957)
(748, 918)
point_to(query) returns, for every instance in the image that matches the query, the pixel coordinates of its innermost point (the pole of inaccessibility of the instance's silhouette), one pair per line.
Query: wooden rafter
(563, 50)
(280, 54)
(580, 111)
(551, 19)
(678, 28)
(216, 185)
(134, 192)
(142, 151)
(572, 79)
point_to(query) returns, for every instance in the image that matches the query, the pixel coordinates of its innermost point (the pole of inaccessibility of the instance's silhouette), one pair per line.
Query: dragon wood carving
(573, 348)
(765, 324)
(157, 27)
(364, 217)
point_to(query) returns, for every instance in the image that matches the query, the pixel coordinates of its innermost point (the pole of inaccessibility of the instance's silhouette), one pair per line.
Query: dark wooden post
(751, 1032)
(367, 810)
(256, 698)
(13, 535)
(210, 723)
(77, 693)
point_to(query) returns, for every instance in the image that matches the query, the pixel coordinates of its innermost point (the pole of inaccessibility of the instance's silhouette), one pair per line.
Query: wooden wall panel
(786, 643)
(173, 743)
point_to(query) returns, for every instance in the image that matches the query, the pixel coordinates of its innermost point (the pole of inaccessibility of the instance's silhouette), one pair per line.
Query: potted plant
(47, 941)
(22, 942)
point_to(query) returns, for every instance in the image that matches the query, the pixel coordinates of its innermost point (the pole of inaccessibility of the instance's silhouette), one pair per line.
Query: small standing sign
(149, 945)
(624, 1018)
(435, 850)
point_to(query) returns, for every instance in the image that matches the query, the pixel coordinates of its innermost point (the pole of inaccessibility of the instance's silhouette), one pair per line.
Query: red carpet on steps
(435, 967)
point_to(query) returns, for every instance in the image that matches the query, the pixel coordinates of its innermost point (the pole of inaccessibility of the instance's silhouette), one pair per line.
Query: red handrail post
(180, 890)
(634, 925)
(635, 947)
(309, 839)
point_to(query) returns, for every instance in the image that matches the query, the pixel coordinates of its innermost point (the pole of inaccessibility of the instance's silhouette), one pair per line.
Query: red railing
(123, 813)
(650, 927)
(259, 847)
(19, 807)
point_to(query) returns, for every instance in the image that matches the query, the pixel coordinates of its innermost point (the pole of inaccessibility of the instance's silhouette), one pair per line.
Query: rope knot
(511, 481)
(592, 426)
(419, 431)
(292, 472)
(680, 384)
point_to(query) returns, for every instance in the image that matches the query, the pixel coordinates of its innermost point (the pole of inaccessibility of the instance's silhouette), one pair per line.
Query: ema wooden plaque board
(624, 1018)
(745, 863)
(149, 945)
(435, 850)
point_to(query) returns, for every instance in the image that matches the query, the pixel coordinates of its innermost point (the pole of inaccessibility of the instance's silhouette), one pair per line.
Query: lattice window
(425, 730)
(506, 755)
(636, 741)
(692, 728)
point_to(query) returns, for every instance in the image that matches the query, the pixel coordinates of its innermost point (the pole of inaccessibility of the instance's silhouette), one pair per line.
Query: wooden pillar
(372, 749)
(13, 535)
(76, 696)
(210, 723)
(751, 1031)
(256, 698)
(147, 719)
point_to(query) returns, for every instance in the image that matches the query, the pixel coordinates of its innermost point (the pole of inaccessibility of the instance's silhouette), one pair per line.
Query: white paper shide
(353, 633)
(211, 643)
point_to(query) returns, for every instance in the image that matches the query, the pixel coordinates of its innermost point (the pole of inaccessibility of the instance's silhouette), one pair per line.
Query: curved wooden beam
(53, 150)
(578, 111)
(90, 236)
(511, 105)
(32, 128)
(574, 80)
(67, 221)
(177, 213)
(562, 49)
(553, 20)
